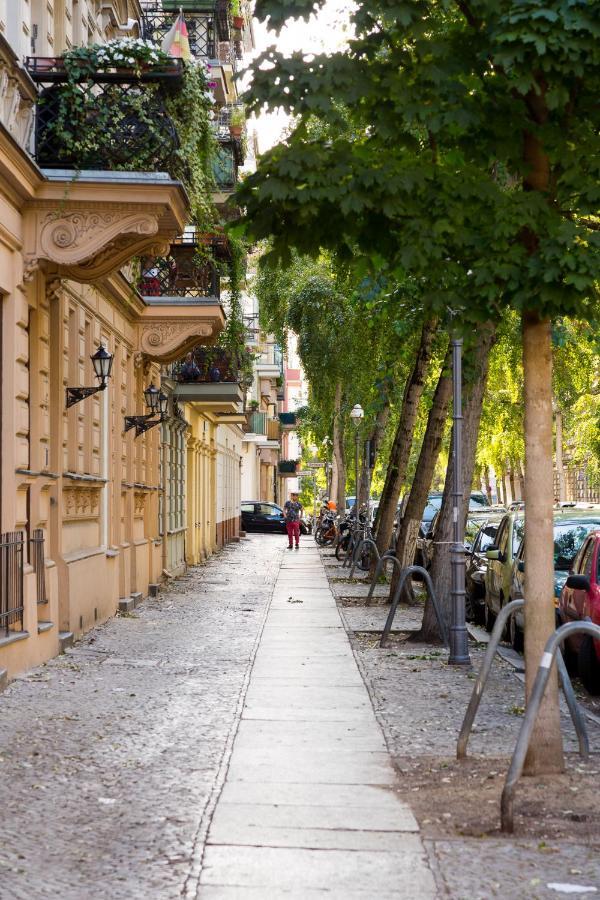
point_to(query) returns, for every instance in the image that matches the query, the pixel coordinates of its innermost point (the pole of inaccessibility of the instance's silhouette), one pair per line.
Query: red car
(580, 599)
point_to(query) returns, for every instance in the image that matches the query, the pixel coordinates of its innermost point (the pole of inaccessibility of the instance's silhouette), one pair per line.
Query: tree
(480, 164)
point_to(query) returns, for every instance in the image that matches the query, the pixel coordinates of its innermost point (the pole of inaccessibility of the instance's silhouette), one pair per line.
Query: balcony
(189, 269)
(199, 19)
(288, 420)
(112, 130)
(273, 429)
(287, 468)
(209, 377)
(257, 422)
(225, 170)
(117, 120)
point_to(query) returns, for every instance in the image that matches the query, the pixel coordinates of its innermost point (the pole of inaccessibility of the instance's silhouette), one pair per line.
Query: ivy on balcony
(127, 106)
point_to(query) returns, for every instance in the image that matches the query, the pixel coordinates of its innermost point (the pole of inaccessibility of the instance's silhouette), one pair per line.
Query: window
(585, 562)
(248, 507)
(265, 509)
(518, 532)
(486, 537)
(568, 538)
(502, 539)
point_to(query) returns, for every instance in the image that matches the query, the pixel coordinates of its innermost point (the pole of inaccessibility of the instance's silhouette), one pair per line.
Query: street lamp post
(459, 646)
(356, 414)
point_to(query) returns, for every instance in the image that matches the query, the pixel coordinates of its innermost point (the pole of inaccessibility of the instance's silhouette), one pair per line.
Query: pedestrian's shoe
(297, 546)
(290, 547)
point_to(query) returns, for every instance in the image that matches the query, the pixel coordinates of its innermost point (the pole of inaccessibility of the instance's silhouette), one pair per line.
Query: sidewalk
(308, 806)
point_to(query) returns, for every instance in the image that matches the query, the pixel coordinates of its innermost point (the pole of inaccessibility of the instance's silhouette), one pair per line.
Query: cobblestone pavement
(109, 754)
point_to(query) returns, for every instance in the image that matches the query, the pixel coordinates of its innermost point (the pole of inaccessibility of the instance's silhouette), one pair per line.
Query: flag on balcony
(176, 41)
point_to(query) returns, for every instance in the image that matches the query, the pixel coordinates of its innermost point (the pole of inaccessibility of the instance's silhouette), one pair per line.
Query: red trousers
(293, 531)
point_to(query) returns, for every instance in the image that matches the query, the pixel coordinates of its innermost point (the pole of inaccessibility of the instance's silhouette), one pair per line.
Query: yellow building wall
(201, 537)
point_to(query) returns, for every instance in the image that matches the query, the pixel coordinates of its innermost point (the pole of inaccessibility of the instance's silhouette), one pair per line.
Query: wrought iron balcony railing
(287, 419)
(189, 270)
(225, 166)
(205, 365)
(116, 120)
(199, 19)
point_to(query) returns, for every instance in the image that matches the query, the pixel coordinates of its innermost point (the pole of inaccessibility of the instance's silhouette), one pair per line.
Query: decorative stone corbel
(168, 340)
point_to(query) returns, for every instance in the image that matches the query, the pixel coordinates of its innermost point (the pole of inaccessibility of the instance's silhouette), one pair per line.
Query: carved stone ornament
(88, 244)
(169, 340)
(82, 501)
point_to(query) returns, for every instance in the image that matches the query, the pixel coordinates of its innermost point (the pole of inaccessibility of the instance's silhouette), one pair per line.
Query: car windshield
(568, 538)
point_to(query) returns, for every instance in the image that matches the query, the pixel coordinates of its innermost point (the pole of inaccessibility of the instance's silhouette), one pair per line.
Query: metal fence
(11, 582)
(39, 564)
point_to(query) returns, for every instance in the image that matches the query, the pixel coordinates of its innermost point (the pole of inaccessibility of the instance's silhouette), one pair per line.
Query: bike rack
(388, 556)
(356, 554)
(404, 574)
(537, 693)
(478, 688)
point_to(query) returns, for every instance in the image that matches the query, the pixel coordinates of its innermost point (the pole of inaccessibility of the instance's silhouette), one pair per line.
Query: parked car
(571, 527)
(425, 541)
(476, 567)
(500, 557)
(580, 599)
(259, 515)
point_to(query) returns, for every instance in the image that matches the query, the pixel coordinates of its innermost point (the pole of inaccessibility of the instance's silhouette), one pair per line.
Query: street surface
(217, 743)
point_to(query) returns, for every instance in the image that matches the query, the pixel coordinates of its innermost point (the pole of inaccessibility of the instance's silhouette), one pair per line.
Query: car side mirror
(578, 582)
(429, 535)
(521, 565)
(494, 553)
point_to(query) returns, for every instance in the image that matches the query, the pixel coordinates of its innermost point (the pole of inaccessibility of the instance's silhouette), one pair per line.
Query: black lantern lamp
(102, 362)
(157, 403)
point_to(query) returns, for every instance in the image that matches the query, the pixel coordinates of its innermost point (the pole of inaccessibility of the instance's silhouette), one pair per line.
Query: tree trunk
(375, 437)
(430, 450)
(488, 484)
(545, 749)
(338, 479)
(401, 447)
(440, 567)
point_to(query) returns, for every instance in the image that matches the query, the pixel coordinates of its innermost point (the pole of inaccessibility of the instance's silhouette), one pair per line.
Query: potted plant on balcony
(254, 405)
(236, 15)
(237, 121)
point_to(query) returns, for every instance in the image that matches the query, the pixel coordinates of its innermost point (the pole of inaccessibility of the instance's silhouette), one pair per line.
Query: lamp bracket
(76, 394)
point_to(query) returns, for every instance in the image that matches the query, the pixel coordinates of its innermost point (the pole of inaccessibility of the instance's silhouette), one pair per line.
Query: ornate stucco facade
(112, 512)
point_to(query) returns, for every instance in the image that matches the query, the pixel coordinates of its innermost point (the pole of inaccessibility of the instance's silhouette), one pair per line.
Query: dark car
(261, 515)
(476, 568)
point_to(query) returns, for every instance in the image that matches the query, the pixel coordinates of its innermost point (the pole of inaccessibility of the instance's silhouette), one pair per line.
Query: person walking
(292, 512)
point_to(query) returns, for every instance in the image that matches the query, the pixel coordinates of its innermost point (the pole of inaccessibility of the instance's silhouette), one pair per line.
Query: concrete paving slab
(325, 767)
(319, 696)
(269, 867)
(313, 818)
(336, 736)
(236, 833)
(306, 714)
(360, 796)
(305, 616)
(216, 892)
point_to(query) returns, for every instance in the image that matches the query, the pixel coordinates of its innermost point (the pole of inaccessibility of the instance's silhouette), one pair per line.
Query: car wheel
(589, 667)
(515, 635)
(489, 619)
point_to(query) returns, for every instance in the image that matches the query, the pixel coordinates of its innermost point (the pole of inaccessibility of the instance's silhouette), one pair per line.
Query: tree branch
(468, 14)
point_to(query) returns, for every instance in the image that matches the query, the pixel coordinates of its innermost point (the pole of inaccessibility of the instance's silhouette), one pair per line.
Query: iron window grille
(186, 271)
(11, 582)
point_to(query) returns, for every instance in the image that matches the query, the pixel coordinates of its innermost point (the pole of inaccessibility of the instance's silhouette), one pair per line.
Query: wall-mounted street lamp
(157, 403)
(102, 362)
